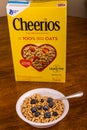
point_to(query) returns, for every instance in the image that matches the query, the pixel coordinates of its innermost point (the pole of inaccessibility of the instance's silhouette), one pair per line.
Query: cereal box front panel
(38, 40)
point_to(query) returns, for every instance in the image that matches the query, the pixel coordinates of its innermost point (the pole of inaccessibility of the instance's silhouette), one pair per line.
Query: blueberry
(55, 113)
(51, 104)
(37, 114)
(39, 107)
(33, 101)
(33, 109)
(42, 100)
(49, 100)
(45, 108)
(47, 115)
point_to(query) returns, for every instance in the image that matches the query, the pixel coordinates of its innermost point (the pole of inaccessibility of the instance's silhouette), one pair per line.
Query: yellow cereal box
(38, 39)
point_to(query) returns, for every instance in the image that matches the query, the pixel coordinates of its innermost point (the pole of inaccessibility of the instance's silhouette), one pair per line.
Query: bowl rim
(26, 94)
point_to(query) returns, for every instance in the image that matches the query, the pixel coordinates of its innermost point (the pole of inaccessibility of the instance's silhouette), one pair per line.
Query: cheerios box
(37, 31)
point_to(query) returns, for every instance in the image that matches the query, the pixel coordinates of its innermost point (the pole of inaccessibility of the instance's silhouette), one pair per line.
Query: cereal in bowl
(42, 109)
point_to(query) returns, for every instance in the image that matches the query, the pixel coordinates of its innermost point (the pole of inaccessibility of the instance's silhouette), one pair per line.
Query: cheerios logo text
(20, 24)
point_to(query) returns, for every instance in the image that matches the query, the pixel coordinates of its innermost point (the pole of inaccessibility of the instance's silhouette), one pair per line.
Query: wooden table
(76, 80)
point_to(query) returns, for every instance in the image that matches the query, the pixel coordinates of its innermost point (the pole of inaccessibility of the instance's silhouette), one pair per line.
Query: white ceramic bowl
(44, 92)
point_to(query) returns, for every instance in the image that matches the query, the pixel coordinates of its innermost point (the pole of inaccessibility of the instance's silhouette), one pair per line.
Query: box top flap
(35, 3)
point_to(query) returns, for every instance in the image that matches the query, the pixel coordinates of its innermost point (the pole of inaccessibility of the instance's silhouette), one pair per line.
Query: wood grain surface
(76, 80)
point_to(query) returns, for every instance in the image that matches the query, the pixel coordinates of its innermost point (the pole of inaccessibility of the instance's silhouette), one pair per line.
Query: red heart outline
(39, 47)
